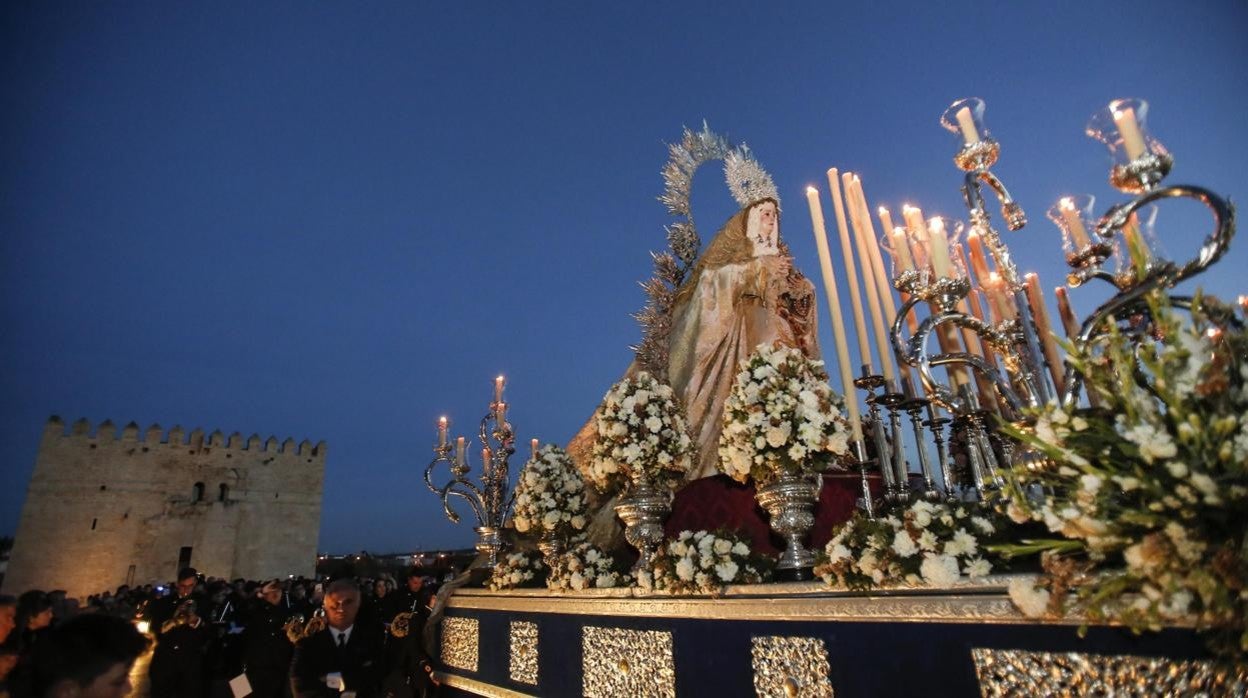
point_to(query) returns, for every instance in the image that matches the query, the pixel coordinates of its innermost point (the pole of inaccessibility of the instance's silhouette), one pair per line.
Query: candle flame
(1066, 203)
(811, 190)
(937, 223)
(442, 420)
(883, 210)
(855, 177)
(994, 277)
(1213, 333)
(899, 230)
(907, 208)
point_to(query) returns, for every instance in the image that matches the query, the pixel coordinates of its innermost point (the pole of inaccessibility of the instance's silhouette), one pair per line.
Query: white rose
(726, 571)
(684, 569)
(939, 570)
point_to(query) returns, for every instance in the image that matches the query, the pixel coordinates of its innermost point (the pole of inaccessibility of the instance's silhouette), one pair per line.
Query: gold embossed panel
(618, 662)
(1019, 673)
(523, 652)
(460, 641)
(791, 667)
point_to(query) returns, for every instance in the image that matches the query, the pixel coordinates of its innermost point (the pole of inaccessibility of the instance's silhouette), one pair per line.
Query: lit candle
(886, 218)
(498, 389)
(979, 262)
(486, 460)
(1035, 300)
(1243, 303)
(533, 445)
(459, 450)
(938, 245)
(966, 124)
(442, 432)
(500, 414)
(1002, 306)
(901, 249)
(1074, 224)
(834, 306)
(861, 221)
(1129, 129)
(851, 273)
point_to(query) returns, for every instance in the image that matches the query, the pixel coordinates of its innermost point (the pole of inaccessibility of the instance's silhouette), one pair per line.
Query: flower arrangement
(930, 544)
(550, 495)
(585, 566)
(1155, 479)
(518, 570)
(641, 433)
(780, 418)
(704, 563)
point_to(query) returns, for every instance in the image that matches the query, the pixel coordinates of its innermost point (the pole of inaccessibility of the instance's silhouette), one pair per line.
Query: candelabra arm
(473, 497)
(914, 354)
(1013, 214)
(1161, 275)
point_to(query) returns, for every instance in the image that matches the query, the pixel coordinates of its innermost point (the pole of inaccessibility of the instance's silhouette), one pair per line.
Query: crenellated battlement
(105, 432)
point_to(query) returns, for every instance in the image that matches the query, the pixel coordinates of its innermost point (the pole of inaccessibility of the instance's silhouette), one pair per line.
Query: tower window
(223, 493)
(197, 492)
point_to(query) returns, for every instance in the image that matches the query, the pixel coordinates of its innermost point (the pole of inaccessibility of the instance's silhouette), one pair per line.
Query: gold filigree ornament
(460, 643)
(1020, 673)
(401, 625)
(523, 660)
(791, 666)
(622, 662)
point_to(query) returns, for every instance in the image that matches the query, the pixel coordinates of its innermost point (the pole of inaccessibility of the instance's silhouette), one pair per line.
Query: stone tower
(104, 510)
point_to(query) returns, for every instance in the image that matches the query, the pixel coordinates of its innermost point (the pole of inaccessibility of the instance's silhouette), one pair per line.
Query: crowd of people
(299, 637)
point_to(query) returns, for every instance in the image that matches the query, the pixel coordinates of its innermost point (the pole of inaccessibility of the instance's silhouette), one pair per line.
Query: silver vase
(642, 510)
(489, 543)
(790, 501)
(552, 546)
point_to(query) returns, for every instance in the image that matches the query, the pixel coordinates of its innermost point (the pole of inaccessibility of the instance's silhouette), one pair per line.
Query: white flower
(984, 525)
(939, 570)
(1090, 483)
(978, 567)
(578, 522)
(654, 424)
(1154, 444)
(684, 569)
(740, 548)
(837, 552)
(927, 541)
(1177, 469)
(1031, 600)
(726, 571)
(903, 544)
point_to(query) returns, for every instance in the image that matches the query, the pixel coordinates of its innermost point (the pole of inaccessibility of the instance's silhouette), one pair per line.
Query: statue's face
(763, 229)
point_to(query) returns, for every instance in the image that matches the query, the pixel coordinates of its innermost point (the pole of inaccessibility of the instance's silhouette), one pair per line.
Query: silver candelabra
(1010, 375)
(492, 499)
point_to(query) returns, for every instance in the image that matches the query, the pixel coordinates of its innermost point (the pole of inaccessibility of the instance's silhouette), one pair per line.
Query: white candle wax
(442, 424)
(533, 445)
(851, 273)
(834, 307)
(901, 249)
(459, 450)
(883, 291)
(1129, 129)
(966, 124)
(938, 245)
(498, 389)
(864, 242)
(979, 261)
(1074, 224)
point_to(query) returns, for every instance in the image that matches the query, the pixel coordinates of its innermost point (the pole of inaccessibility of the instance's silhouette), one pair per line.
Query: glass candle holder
(976, 147)
(1138, 160)
(1136, 246)
(1073, 216)
(942, 233)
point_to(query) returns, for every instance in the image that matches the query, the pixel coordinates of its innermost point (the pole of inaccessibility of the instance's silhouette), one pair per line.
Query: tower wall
(101, 502)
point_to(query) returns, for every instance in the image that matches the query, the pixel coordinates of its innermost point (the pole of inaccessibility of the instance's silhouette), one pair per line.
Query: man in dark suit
(182, 637)
(266, 651)
(343, 658)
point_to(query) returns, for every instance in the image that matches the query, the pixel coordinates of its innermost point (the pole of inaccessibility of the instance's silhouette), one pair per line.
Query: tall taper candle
(851, 274)
(979, 261)
(498, 389)
(938, 246)
(533, 445)
(834, 306)
(459, 450)
(442, 424)
(874, 302)
(1129, 129)
(1035, 299)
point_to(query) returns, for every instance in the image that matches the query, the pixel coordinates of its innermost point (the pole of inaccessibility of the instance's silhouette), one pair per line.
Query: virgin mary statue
(742, 292)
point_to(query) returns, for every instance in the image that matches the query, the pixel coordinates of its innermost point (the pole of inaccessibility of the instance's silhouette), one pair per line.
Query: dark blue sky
(339, 221)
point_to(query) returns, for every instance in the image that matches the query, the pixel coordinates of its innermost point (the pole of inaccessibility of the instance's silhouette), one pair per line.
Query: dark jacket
(361, 663)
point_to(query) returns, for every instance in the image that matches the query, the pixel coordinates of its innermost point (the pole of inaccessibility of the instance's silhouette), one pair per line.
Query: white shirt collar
(334, 632)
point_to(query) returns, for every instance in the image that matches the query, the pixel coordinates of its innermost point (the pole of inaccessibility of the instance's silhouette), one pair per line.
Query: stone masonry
(104, 510)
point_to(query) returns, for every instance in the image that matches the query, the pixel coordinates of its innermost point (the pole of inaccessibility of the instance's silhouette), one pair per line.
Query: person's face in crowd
(273, 595)
(186, 586)
(379, 588)
(113, 683)
(341, 608)
(8, 619)
(40, 620)
(299, 592)
(414, 583)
